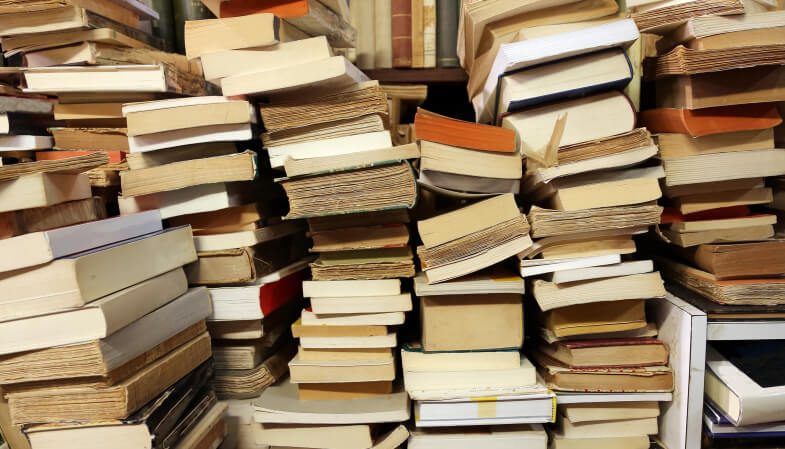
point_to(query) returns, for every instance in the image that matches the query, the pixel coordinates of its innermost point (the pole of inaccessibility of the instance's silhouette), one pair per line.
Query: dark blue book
(718, 426)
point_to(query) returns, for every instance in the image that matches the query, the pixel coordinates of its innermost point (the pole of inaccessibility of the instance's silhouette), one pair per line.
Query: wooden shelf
(419, 76)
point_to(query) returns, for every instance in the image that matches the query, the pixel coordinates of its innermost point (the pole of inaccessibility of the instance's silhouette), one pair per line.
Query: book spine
(447, 33)
(383, 34)
(418, 48)
(363, 20)
(429, 20)
(402, 33)
(164, 28)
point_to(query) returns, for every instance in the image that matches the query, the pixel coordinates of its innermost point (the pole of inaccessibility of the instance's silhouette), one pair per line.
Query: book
(337, 146)
(630, 442)
(41, 247)
(415, 359)
(342, 128)
(457, 133)
(741, 381)
(357, 436)
(254, 302)
(494, 280)
(684, 61)
(437, 385)
(236, 330)
(38, 41)
(560, 377)
(449, 159)
(138, 161)
(98, 54)
(336, 354)
(418, 35)
(40, 406)
(224, 63)
(210, 431)
(569, 78)
(247, 384)
(362, 304)
(354, 319)
(381, 263)
(190, 200)
(357, 100)
(72, 165)
(601, 243)
(112, 157)
(341, 371)
(401, 27)
(760, 36)
(310, 16)
(531, 52)
(742, 234)
(661, 19)
(722, 166)
(587, 319)
(353, 288)
(23, 20)
(707, 90)
(27, 294)
(214, 35)
(42, 190)
(40, 219)
(462, 323)
(612, 411)
(183, 113)
(523, 409)
(320, 195)
(538, 123)
(685, 225)
(352, 390)
(182, 137)
(547, 222)
(382, 34)
(713, 25)
(232, 219)
(179, 175)
(446, 33)
(24, 143)
(632, 352)
(728, 261)
(638, 286)
(325, 75)
(609, 429)
(709, 121)
(376, 218)
(116, 78)
(536, 267)
(601, 272)
(245, 355)
(90, 138)
(360, 238)
(598, 149)
(364, 19)
(712, 187)
(279, 404)
(674, 145)
(491, 437)
(164, 419)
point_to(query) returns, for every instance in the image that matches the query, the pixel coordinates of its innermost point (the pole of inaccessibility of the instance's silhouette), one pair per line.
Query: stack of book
(23, 124)
(461, 158)
(717, 149)
(467, 369)
(413, 34)
(102, 338)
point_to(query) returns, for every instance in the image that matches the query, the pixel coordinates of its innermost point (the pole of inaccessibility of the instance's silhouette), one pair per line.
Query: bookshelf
(419, 76)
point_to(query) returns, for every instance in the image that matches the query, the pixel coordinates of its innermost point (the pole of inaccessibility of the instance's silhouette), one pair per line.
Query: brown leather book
(705, 122)
(739, 260)
(402, 33)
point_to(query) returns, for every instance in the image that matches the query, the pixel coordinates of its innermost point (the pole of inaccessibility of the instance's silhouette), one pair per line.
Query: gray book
(447, 32)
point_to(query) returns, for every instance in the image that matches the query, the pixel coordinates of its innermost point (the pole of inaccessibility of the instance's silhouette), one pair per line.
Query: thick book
(590, 118)
(182, 137)
(402, 33)
(415, 359)
(719, 426)
(280, 404)
(587, 319)
(494, 437)
(184, 113)
(42, 190)
(743, 381)
(67, 165)
(739, 260)
(320, 76)
(311, 16)
(632, 352)
(180, 175)
(447, 13)
(190, 200)
(458, 133)
(330, 194)
(317, 372)
(673, 145)
(638, 286)
(215, 35)
(328, 147)
(95, 139)
(701, 202)
(657, 19)
(532, 52)
(40, 219)
(27, 18)
(138, 161)
(254, 302)
(569, 78)
(626, 427)
(37, 248)
(360, 238)
(250, 383)
(493, 280)
(108, 403)
(31, 42)
(711, 121)
(460, 323)
(523, 409)
(437, 157)
(97, 54)
(724, 166)
(339, 128)
(64, 283)
(548, 222)
(685, 61)
(368, 264)
(701, 27)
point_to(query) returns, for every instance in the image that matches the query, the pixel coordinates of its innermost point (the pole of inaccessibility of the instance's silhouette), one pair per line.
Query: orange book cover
(281, 8)
(458, 133)
(705, 122)
(115, 157)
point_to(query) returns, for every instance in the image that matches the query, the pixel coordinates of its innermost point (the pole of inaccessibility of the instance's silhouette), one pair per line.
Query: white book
(535, 267)
(531, 52)
(354, 319)
(497, 281)
(41, 247)
(244, 303)
(328, 74)
(97, 320)
(520, 409)
(362, 304)
(43, 189)
(740, 397)
(24, 143)
(330, 289)
(529, 436)
(113, 78)
(461, 384)
(190, 200)
(379, 341)
(607, 271)
(234, 132)
(218, 242)
(329, 147)
(145, 106)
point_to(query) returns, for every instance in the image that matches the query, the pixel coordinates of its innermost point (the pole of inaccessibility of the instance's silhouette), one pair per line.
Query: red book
(274, 295)
(401, 33)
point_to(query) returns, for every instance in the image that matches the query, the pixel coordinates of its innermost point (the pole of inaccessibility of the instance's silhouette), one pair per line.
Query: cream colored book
(43, 189)
(551, 296)
(213, 35)
(184, 113)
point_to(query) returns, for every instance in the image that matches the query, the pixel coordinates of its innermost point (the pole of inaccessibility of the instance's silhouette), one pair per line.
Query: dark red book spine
(402, 33)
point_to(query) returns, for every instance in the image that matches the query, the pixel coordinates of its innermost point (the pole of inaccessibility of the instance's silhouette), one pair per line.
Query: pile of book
(467, 369)
(413, 34)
